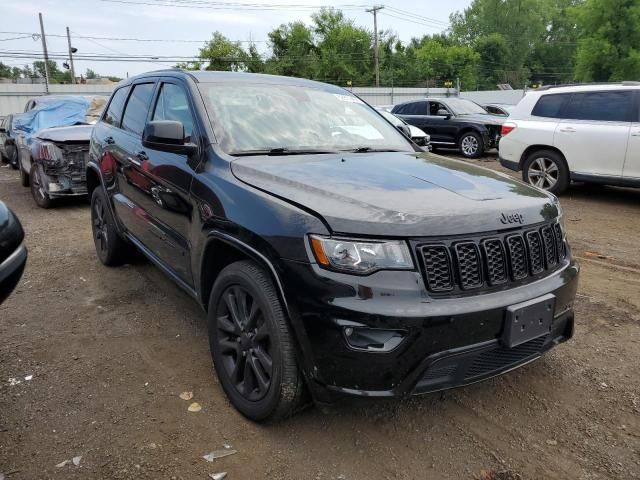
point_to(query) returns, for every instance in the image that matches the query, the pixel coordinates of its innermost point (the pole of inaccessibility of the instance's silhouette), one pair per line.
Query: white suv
(585, 133)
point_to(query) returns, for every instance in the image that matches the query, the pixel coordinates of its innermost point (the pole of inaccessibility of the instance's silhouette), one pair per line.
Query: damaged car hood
(398, 193)
(75, 133)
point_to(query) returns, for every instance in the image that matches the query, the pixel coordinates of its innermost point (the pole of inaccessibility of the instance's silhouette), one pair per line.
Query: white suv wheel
(543, 173)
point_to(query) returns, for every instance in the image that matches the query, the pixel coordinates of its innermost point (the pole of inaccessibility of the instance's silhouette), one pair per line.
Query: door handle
(109, 140)
(142, 156)
(636, 134)
(568, 130)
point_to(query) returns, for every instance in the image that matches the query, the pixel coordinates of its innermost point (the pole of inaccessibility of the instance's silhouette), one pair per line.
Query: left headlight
(361, 256)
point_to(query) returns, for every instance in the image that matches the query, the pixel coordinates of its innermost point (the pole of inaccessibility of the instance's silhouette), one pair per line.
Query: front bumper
(510, 164)
(59, 185)
(446, 342)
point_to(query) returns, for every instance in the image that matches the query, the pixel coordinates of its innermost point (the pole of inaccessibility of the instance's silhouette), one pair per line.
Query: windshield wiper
(279, 151)
(369, 149)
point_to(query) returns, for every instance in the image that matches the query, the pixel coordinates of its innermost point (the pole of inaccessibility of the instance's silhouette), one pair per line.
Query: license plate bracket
(528, 320)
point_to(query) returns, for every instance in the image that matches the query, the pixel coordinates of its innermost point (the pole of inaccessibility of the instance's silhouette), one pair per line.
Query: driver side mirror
(166, 136)
(444, 113)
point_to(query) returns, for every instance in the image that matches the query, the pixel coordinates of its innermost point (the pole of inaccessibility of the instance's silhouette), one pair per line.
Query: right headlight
(360, 256)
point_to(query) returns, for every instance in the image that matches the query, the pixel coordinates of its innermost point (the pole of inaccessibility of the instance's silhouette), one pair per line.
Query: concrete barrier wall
(13, 97)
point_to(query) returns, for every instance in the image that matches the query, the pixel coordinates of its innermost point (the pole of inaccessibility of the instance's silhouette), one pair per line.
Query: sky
(195, 20)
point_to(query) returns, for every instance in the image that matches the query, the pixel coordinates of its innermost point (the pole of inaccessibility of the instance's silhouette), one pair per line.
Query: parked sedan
(454, 123)
(8, 150)
(417, 135)
(13, 253)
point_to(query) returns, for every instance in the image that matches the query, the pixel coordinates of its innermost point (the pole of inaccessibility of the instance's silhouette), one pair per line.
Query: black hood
(74, 133)
(397, 193)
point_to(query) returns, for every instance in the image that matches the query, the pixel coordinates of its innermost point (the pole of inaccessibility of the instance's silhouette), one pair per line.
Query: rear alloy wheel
(38, 192)
(547, 170)
(471, 145)
(110, 247)
(251, 345)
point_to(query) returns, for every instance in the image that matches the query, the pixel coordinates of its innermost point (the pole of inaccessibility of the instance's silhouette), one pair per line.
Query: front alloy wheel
(245, 343)
(40, 195)
(251, 344)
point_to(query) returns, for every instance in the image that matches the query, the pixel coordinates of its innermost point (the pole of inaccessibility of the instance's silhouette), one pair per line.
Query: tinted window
(173, 104)
(135, 113)
(114, 112)
(414, 108)
(600, 106)
(550, 105)
(434, 107)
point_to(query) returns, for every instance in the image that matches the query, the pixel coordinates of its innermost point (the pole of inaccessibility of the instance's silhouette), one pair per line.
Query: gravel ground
(110, 350)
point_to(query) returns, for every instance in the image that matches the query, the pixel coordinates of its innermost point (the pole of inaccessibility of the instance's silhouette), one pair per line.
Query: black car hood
(487, 119)
(74, 133)
(397, 193)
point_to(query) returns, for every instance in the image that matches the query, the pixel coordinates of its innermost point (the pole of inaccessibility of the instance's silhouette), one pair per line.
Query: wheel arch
(467, 129)
(222, 250)
(538, 147)
(93, 180)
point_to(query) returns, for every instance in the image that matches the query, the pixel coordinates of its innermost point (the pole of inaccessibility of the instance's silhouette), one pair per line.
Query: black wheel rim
(244, 343)
(100, 226)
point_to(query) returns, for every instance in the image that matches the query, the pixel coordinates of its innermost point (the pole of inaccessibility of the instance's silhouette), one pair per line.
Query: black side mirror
(444, 113)
(404, 129)
(3, 130)
(166, 136)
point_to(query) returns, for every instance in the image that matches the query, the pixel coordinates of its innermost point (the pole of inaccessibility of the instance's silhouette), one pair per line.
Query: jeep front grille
(461, 265)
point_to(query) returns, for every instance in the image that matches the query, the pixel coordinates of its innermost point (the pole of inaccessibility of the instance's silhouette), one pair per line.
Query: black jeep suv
(454, 123)
(331, 254)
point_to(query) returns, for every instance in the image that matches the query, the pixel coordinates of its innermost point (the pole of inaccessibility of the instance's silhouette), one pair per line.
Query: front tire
(24, 176)
(38, 192)
(251, 344)
(110, 247)
(471, 145)
(547, 170)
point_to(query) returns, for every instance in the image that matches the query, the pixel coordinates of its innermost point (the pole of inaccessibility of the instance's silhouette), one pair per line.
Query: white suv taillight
(507, 128)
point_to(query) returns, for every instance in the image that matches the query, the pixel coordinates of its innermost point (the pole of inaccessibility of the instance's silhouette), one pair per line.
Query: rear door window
(601, 106)
(415, 108)
(135, 113)
(113, 116)
(550, 105)
(173, 104)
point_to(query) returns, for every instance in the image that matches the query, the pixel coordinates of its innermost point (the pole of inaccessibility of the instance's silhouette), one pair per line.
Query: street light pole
(374, 10)
(46, 55)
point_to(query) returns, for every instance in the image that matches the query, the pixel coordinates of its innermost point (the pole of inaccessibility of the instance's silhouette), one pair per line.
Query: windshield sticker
(347, 98)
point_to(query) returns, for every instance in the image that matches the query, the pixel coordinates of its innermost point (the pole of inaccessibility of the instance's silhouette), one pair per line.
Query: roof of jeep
(204, 76)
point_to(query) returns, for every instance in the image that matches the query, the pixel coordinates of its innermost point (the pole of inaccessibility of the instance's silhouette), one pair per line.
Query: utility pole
(374, 10)
(73, 70)
(46, 56)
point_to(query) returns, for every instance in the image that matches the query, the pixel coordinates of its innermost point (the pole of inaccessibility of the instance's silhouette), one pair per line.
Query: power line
(214, 6)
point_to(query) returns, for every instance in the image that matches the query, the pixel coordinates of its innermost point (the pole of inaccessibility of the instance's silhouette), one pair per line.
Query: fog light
(373, 339)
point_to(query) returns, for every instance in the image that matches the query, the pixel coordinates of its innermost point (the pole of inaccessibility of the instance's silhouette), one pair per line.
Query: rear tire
(251, 344)
(546, 169)
(110, 247)
(471, 145)
(38, 192)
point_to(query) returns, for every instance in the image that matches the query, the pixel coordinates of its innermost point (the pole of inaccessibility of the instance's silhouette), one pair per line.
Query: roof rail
(626, 83)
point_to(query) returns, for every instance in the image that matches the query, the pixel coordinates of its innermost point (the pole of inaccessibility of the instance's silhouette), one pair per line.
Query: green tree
(294, 51)
(493, 54)
(91, 75)
(220, 53)
(446, 63)
(609, 44)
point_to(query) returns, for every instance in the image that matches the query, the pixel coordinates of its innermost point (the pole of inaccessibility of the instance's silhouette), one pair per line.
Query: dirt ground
(110, 350)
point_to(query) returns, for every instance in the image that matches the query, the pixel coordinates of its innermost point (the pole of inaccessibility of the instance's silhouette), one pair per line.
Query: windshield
(462, 106)
(264, 117)
(392, 118)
